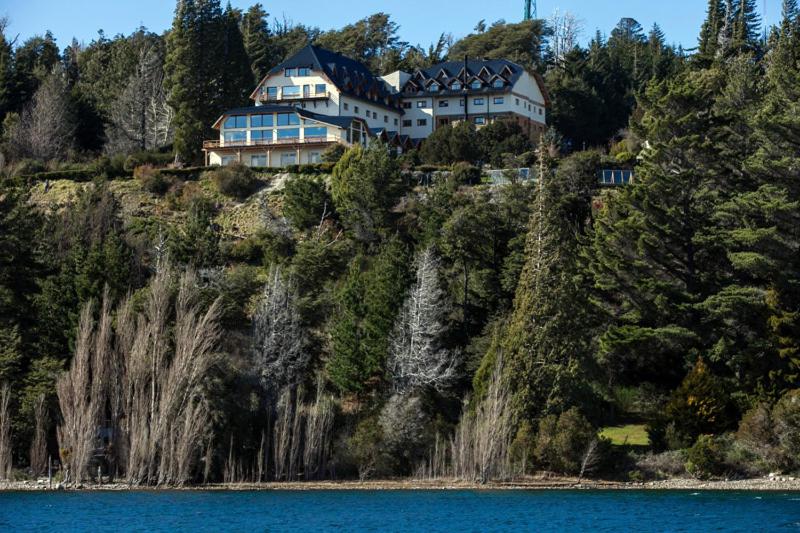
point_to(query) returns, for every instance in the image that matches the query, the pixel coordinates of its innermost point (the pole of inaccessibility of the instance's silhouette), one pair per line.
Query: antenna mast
(530, 10)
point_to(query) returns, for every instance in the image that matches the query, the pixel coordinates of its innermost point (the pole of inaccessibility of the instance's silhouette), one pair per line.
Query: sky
(421, 21)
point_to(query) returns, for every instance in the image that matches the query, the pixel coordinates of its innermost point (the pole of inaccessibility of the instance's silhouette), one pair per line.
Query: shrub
(333, 153)
(699, 405)
(154, 159)
(406, 430)
(151, 179)
(661, 465)
(304, 201)
(365, 447)
(236, 181)
(563, 441)
(705, 458)
(466, 174)
(786, 419)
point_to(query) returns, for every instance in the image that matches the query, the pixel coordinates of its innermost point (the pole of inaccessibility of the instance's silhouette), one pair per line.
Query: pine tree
(237, 80)
(746, 25)
(709, 34)
(545, 344)
(255, 31)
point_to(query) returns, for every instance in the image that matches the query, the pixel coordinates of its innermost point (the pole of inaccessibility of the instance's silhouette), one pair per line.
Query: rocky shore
(769, 483)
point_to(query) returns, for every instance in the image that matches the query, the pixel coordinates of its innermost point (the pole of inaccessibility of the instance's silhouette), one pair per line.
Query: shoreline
(772, 484)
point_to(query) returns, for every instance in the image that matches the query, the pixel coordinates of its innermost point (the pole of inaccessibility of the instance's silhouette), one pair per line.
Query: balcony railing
(264, 97)
(271, 142)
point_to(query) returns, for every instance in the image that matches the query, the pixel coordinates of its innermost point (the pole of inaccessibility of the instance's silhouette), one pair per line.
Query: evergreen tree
(237, 81)
(256, 34)
(709, 34)
(746, 25)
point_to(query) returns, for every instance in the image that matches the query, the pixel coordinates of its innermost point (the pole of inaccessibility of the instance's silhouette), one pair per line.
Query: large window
(228, 160)
(261, 121)
(236, 121)
(288, 119)
(314, 157)
(288, 158)
(289, 133)
(258, 160)
(320, 88)
(291, 91)
(315, 132)
(272, 93)
(261, 136)
(235, 136)
(407, 123)
(289, 72)
(304, 71)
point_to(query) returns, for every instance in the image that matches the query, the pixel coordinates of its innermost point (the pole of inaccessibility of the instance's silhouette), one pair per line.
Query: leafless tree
(76, 434)
(141, 119)
(480, 446)
(5, 431)
(566, 30)
(591, 458)
(144, 381)
(417, 358)
(280, 355)
(46, 127)
(38, 451)
(319, 428)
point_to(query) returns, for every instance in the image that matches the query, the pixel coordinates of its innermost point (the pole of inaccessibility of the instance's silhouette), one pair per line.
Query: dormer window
(498, 83)
(475, 84)
(434, 87)
(289, 72)
(456, 86)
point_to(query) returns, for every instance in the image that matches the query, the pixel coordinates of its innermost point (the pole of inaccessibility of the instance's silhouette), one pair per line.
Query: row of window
(291, 72)
(261, 121)
(425, 104)
(285, 158)
(240, 136)
(367, 113)
(295, 91)
(478, 121)
(436, 86)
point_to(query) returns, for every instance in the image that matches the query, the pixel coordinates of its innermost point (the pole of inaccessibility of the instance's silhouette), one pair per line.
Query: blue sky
(421, 21)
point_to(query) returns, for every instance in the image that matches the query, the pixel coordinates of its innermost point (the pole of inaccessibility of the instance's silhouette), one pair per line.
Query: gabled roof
(351, 77)
(480, 69)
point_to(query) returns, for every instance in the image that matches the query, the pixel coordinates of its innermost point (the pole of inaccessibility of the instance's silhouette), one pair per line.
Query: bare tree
(417, 358)
(566, 30)
(280, 355)
(141, 119)
(46, 127)
(142, 383)
(319, 428)
(5, 431)
(38, 452)
(591, 458)
(480, 446)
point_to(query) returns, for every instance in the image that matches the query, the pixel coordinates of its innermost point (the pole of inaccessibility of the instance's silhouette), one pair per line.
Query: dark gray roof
(351, 77)
(486, 70)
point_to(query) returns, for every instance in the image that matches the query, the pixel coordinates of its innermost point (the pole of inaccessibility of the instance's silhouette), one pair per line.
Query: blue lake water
(459, 511)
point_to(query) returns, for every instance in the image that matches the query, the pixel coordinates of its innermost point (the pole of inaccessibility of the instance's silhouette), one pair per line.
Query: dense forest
(381, 315)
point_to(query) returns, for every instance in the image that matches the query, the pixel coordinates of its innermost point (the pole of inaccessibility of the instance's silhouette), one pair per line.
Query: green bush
(154, 159)
(78, 175)
(304, 200)
(563, 441)
(466, 174)
(700, 405)
(706, 458)
(333, 154)
(236, 181)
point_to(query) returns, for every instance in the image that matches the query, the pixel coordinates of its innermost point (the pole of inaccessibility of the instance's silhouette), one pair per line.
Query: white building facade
(318, 98)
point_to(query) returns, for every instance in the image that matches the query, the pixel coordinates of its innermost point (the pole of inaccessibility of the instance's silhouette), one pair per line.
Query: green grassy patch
(631, 435)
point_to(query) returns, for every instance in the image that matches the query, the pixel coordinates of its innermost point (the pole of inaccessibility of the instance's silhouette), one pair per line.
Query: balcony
(264, 97)
(294, 141)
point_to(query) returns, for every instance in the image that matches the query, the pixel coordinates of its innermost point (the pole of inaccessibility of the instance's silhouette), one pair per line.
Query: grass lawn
(631, 434)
